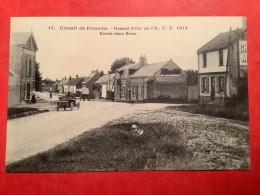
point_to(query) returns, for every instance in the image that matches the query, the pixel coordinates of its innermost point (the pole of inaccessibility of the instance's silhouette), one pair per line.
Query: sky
(67, 47)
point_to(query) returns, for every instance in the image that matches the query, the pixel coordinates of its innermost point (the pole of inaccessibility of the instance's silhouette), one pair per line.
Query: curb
(20, 115)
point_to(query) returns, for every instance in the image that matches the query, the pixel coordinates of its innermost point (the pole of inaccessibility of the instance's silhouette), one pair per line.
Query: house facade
(122, 83)
(23, 49)
(222, 65)
(104, 85)
(88, 82)
(159, 80)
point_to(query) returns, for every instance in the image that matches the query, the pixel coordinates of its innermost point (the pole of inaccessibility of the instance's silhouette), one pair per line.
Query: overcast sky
(70, 52)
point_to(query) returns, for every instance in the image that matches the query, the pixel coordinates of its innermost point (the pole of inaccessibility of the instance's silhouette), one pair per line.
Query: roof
(12, 73)
(105, 79)
(221, 41)
(129, 66)
(150, 69)
(86, 79)
(74, 81)
(22, 38)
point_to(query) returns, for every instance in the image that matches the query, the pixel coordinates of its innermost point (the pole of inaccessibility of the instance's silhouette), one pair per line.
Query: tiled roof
(150, 69)
(19, 38)
(105, 79)
(221, 41)
(74, 81)
(129, 66)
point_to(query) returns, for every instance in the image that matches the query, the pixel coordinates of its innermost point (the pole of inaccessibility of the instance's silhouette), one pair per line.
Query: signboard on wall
(243, 52)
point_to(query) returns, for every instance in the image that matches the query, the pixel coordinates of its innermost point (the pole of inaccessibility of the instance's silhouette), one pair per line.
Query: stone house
(23, 49)
(104, 85)
(122, 84)
(159, 80)
(222, 68)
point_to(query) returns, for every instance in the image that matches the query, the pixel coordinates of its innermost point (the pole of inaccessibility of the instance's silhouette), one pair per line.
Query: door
(129, 94)
(212, 94)
(136, 92)
(28, 91)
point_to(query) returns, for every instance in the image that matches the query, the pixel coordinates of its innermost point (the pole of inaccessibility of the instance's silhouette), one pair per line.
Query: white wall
(104, 91)
(213, 62)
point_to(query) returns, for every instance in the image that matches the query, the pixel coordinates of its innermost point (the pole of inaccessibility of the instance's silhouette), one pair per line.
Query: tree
(192, 77)
(118, 63)
(38, 77)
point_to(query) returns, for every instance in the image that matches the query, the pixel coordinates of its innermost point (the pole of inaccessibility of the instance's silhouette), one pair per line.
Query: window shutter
(202, 84)
(207, 80)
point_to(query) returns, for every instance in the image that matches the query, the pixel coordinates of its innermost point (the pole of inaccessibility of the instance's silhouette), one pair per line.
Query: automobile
(67, 101)
(87, 96)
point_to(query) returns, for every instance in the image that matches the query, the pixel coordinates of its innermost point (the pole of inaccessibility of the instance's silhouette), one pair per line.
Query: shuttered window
(205, 84)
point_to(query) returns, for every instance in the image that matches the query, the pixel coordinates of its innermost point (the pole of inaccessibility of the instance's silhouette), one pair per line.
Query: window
(123, 90)
(29, 68)
(220, 84)
(205, 60)
(170, 71)
(220, 57)
(205, 85)
(133, 90)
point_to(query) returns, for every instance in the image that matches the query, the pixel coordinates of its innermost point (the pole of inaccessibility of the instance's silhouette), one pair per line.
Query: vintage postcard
(127, 94)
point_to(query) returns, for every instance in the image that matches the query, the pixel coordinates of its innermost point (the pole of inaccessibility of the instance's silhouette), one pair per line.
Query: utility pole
(225, 92)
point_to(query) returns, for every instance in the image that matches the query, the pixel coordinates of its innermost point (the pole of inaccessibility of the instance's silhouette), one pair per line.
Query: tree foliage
(192, 77)
(38, 76)
(118, 63)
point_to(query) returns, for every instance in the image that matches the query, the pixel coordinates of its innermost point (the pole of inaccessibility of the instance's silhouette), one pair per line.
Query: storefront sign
(243, 52)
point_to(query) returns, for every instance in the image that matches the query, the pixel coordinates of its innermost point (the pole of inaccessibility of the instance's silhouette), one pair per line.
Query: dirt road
(33, 134)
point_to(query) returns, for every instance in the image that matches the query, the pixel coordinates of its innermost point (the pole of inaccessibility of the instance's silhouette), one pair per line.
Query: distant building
(165, 80)
(214, 75)
(88, 82)
(104, 85)
(23, 49)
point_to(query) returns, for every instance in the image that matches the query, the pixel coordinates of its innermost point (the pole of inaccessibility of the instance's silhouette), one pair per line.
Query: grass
(113, 147)
(237, 112)
(13, 111)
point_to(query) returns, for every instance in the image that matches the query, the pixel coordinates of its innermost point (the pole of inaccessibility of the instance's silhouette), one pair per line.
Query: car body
(67, 101)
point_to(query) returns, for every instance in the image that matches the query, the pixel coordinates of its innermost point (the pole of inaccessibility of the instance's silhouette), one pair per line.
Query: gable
(25, 39)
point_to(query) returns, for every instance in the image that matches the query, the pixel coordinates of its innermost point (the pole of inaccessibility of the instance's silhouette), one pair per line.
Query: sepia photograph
(127, 94)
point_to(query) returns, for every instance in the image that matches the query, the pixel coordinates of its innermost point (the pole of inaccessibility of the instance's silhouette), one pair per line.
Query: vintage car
(67, 101)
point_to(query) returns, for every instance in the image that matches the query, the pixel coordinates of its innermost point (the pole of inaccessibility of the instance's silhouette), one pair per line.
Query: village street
(30, 135)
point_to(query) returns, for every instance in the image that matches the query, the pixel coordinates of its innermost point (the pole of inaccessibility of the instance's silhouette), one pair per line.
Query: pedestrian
(33, 100)
(50, 95)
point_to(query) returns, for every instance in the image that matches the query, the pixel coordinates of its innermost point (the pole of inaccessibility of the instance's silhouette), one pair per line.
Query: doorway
(28, 91)
(212, 94)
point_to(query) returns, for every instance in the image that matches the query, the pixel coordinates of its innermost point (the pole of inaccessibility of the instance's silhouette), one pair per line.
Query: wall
(193, 92)
(13, 90)
(213, 62)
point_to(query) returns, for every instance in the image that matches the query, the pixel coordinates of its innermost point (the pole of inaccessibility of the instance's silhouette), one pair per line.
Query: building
(122, 88)
(163, 80)
(23, 49)
(104, 85)
(88, 82)
(74, 85)
(222, 65)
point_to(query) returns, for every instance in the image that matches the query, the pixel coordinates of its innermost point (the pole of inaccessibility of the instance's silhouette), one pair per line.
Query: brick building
(23, 49)
(122, 84)
(215, 76)
(159, 80)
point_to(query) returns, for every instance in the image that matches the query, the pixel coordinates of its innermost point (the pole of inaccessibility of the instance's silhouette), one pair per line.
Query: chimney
(244, 22)
(142, 60)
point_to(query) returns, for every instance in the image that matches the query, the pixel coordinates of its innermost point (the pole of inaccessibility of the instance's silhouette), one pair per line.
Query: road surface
(30, 135)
